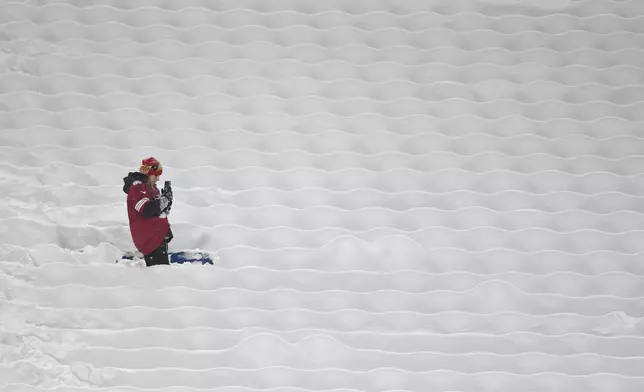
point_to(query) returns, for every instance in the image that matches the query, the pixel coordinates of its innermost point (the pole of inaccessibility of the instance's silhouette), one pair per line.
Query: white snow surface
(402, 195)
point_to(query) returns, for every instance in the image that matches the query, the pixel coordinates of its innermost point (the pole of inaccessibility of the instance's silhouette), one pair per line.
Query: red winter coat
(148, 233)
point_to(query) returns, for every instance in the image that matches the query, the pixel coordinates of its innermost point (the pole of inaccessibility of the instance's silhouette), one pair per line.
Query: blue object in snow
(190, 256)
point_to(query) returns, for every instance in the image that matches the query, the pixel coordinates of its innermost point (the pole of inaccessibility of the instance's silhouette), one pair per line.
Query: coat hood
(131, 177)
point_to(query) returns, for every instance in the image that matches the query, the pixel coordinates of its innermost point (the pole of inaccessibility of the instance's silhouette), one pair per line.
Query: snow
(435, 195)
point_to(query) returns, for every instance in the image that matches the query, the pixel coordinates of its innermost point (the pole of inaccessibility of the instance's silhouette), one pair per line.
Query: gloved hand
(164, 204)
(169, 236)
(167, 191)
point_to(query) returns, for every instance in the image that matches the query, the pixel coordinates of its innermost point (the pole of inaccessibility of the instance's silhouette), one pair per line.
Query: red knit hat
(151, 166)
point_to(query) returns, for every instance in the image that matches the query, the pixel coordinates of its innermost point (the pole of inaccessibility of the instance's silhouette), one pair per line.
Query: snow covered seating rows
(431, 195)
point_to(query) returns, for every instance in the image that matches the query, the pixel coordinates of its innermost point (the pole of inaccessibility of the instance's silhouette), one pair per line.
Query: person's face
(153, 179)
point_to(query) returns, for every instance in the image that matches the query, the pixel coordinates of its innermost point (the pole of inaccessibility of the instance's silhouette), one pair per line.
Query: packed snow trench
(401, 195)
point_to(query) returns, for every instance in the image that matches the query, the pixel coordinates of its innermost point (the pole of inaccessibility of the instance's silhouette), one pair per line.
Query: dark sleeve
(152, 208)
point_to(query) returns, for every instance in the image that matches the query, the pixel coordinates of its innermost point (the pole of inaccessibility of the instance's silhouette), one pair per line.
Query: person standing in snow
(147, 210)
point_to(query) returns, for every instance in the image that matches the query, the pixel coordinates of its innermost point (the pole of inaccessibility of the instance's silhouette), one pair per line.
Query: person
(147, 210)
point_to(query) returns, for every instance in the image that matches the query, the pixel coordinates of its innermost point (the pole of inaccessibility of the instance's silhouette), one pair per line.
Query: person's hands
(164, 204)
(166, 199)
(167, 191)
